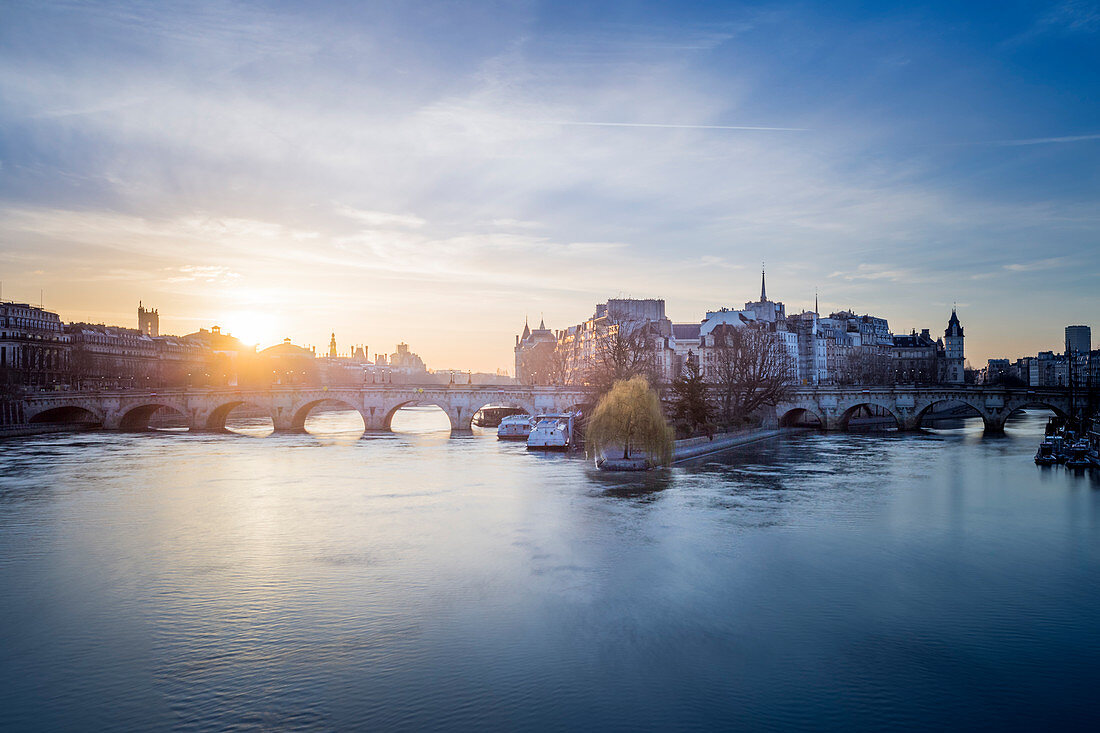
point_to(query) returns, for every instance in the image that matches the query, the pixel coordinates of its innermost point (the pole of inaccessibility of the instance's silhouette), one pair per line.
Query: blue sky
(433, 172)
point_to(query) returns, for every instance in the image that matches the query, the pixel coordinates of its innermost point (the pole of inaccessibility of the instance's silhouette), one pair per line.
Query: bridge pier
(993, 425)
(910, 424)
(460, 423)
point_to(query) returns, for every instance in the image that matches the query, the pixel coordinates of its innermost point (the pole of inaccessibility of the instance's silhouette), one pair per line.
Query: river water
(415, 581)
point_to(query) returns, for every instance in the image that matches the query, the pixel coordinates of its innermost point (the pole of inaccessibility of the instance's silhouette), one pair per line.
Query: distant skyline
(435, 172)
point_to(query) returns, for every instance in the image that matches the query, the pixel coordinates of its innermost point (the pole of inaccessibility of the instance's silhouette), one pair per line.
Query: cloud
(210, 274)
(1069, 16)
(381, 219)
(669, 126)
(330, 167)
(878, 272)
(1035, 265)
(1045, 140)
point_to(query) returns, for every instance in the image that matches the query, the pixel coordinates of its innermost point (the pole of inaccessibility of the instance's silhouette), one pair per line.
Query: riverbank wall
(29, 429)
(690, 448)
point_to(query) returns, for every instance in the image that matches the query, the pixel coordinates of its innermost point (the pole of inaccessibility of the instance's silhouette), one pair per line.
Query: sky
(436, 172)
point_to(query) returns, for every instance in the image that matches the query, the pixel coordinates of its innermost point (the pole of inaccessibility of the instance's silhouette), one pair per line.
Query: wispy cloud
(878, 272)
(670, 126)
(210, 274)
(1035, 265)
(1046, 140)
(1069, 16)
(381, 219)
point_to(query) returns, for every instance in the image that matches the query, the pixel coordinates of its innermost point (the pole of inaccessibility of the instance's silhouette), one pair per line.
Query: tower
(764, 309)
(1078, 339)
(148, 321)
(955, 358)
(332, 345)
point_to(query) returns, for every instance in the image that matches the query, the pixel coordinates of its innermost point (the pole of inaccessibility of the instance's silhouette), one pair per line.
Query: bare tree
(750, 369)
(622, 352)
(867, 365)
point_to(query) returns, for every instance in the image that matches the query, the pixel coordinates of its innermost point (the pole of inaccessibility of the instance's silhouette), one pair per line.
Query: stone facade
(34, 348)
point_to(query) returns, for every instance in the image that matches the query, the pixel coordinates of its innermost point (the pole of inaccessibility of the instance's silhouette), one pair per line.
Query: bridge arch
(1015, 407)
(454, 417)
(67, 414)
(796, 416)
(931, 407)
(301, 411)
(851, 410)
(137, 418)
(528, 407)
(216, 418)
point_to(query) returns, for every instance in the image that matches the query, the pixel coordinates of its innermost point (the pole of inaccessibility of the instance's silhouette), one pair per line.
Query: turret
(954, 353)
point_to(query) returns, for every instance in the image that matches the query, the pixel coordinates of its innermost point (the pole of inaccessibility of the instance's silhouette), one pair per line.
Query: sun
(251, 327)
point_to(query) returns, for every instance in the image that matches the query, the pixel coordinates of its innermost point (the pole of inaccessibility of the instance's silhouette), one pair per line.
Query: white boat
(514, 427)
(552, 432)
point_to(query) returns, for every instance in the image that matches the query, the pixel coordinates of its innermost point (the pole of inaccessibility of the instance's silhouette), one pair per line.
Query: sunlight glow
(252, 327)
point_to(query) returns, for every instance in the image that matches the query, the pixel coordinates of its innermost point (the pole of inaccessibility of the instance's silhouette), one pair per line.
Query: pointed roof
(763, 290)
(542, 324)
(526, 330)
(954, 328)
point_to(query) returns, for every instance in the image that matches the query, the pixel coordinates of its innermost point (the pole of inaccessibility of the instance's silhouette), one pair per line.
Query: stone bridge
(207, 409)
(832, 407)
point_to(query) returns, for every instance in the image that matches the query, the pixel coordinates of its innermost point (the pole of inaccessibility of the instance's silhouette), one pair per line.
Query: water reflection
(420, 420)
(342, 580)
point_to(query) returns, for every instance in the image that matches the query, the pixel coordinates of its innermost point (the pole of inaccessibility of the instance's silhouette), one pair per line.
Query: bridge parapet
(832, 407)
(288, 407)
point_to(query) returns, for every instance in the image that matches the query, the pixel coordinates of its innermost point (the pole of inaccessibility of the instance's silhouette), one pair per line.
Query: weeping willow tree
(630, 415)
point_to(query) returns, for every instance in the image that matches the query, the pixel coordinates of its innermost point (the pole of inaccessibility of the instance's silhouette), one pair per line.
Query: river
(417, 581)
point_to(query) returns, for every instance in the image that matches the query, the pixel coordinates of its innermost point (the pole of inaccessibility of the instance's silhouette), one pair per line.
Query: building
(406, 362)
(536, 355)
(812, 348)
(915, 358)
(233, 363)
(148, 321)
(766, 310)
(34, 348)
(997, 371)
(954, 365)
(687, 344)
(111, 357)
(1078, 339)
(182, 362)
(637, 328)
(289, 364)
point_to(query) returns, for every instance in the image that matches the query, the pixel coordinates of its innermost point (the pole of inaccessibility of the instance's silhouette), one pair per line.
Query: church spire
(763, 290)
(815, 303)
